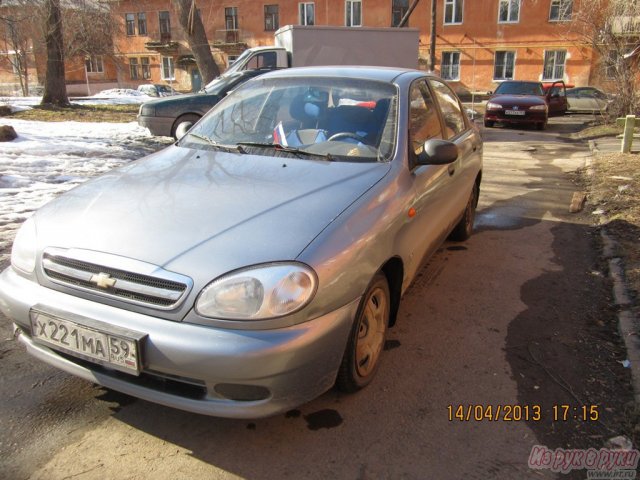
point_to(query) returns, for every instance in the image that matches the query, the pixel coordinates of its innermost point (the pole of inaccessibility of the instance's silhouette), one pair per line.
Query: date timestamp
(518, 413)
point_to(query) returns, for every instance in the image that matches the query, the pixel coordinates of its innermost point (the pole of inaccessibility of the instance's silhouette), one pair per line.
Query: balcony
(228, 36)
(162, 42)
(626, 26)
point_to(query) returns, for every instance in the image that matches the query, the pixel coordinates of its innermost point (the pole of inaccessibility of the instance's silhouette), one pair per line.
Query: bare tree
(612, 29)
(191, 23)
(55, 89)
(16, 41)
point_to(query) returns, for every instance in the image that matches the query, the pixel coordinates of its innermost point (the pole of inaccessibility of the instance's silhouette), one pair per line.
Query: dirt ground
(614, 191)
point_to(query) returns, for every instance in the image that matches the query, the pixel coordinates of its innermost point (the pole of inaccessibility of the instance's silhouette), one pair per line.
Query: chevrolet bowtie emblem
(103, 280)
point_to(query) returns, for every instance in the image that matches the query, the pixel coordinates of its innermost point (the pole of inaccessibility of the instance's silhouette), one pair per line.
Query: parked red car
(525, 103)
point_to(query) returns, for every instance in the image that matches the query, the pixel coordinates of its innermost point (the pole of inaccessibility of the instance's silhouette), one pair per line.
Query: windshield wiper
(219, 146)
(295, 151)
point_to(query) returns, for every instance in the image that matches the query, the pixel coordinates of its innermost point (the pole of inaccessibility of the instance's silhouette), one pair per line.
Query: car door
(432, 184)
(557, 99)
(459, 130)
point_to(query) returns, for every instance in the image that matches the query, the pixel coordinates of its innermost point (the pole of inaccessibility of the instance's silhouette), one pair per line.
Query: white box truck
(305, 46)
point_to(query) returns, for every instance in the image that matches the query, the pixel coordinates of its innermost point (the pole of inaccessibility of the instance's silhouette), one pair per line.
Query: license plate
(88, 339)
(514, 112)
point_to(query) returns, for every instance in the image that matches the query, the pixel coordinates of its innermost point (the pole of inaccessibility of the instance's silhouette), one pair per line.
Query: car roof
(384, 74)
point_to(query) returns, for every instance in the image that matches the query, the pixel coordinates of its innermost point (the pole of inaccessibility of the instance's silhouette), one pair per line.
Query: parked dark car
(587, 99)
(525, 103)
(164, 116)
(259, 260)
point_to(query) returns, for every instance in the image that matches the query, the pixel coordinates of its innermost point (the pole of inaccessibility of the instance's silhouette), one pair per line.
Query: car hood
(520, 100)
(194, 211)
(163, 101)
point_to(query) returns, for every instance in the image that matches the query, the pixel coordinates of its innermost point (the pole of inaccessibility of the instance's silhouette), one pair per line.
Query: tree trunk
(191, 23)
(432, 38)
(55, 90)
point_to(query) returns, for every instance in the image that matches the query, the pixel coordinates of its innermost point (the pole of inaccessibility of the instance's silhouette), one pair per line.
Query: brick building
(478, 42)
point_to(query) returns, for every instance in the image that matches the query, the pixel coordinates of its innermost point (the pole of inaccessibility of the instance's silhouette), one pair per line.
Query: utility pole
(432, 46)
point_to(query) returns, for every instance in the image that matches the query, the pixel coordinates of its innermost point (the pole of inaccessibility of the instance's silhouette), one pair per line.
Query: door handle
(451, 169)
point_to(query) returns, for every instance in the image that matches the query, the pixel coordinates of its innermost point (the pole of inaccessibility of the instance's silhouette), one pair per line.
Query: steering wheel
(342, 135)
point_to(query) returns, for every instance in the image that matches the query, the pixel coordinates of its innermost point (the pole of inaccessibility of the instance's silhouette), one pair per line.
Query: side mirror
(489, 92)
(438, 152)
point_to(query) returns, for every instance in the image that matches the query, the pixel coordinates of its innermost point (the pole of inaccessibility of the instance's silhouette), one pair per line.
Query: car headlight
(493, 106)
(539, 107)
(23, 253)
(259, 292)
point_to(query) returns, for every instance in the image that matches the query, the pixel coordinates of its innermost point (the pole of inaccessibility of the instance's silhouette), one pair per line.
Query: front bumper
(158, 126)
(529, 118)
(292, 365)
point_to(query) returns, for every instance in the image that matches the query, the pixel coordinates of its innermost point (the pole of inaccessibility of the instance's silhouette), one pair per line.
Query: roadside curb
(628, 322)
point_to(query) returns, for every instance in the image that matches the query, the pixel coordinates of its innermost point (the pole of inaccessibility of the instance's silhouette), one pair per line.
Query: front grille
(161, 290)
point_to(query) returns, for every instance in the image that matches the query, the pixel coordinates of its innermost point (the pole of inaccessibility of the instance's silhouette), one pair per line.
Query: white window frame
(303, 14)
(170, 66)
(510, 7)
(451, 67)
(562, 6)
(94, 64)
(504, 65)
(554, 65)
(454, 10)
(349, 10)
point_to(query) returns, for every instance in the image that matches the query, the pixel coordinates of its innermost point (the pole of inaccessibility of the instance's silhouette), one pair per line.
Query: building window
(130, 23)
(271, 17)
(560, 10)
(231, 18)
(509, 11)
(554, 64)
(450, 67)
(167, 68)
(453, 11)
(145, 65)
(142, 23)
(353, 13)
(398, 10)
(133, 69)
(165, 23)
(306, 13)
(503, 65)
(94, 64)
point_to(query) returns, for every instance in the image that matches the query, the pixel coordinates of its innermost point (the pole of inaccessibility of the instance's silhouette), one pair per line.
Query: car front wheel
(366, 340)
(488, 123)
(184, 123)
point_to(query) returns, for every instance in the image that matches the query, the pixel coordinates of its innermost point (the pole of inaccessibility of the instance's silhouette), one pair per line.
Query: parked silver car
(259, 261)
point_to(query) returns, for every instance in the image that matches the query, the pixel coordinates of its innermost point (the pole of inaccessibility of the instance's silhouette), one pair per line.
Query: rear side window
(454, 118)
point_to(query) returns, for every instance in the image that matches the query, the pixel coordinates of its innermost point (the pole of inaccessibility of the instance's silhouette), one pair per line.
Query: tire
(464, 228)
(541, 126)
(189, 118)
(488, 123)
(366, 340)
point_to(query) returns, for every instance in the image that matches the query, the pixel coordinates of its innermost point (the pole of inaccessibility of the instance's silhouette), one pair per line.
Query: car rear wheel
(366, 340)
(184, 123)
(488, 123)
(541, 126)
(464, 228)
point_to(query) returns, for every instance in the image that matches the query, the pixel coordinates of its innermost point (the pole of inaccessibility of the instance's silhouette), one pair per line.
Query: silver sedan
(260, 260)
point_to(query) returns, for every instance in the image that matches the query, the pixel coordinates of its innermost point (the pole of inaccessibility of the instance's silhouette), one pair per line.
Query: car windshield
(520, 88)
(219, 84)
(335, 118)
